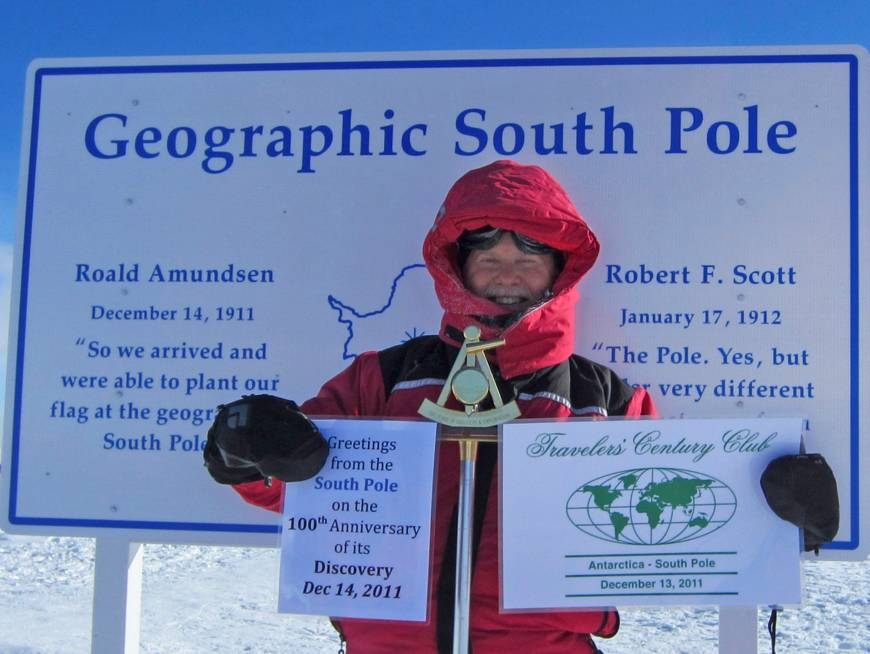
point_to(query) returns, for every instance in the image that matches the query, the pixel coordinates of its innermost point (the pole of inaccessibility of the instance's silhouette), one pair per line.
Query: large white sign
(644, 512)
(355, 539)
(195, 229)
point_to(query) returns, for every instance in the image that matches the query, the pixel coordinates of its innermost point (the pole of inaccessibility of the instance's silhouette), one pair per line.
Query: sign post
(117, 596)
(738, 631)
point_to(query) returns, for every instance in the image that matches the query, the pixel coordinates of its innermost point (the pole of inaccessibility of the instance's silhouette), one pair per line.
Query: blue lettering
(498, 138)
(347, 129)
(677, 127)
(581, 127)
(724, 136)
(219, 146)
(308, 150)
(249, 132)
(280, 147)
(774, 135)
(120, 148)
(466, 130)
(407, 146)
(147, 136)
(388, 134)
(610, 127)
(172, 142)
(752, 124)
(217, 137)
(713, 137)
(558, 146)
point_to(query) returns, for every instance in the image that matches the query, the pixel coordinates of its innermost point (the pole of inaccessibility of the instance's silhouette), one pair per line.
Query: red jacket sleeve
(356, 391)
(641, 404)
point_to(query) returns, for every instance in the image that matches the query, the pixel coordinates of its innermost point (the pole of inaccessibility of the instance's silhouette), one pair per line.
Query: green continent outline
(675, 492)
(603, 496)
(619, 522)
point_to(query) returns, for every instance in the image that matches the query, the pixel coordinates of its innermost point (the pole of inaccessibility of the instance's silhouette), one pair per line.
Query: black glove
(801, 488)
(261, 436)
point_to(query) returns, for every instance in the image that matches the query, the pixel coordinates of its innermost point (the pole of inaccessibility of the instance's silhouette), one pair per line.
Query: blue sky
(57, 28)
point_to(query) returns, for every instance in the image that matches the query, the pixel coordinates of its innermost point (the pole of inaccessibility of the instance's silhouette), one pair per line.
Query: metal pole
(464, 536)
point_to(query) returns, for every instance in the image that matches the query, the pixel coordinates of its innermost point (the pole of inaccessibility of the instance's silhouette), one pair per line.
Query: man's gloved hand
(801, 488)
(263, 436)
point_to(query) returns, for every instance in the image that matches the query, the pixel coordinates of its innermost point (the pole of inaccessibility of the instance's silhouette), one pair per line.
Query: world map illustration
(651, 506)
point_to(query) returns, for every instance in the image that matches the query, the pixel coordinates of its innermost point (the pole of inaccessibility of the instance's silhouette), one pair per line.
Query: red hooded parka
(536, 366)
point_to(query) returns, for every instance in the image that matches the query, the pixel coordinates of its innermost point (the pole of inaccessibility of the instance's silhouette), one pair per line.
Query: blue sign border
(42, 73)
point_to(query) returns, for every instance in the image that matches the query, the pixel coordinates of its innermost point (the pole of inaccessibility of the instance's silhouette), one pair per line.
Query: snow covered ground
(210, 599)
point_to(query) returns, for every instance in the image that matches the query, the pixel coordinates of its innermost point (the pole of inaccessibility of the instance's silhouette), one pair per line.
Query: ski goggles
(486, 237)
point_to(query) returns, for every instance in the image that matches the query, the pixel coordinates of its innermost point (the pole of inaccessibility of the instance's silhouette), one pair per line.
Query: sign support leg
(117, 596)
(738, 629)
(464, 536)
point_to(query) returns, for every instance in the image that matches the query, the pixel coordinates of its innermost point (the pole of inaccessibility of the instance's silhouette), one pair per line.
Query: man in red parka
(506, 252)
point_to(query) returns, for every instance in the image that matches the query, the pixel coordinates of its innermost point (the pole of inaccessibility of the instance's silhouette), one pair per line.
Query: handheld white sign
(644, 512)
(356, 537)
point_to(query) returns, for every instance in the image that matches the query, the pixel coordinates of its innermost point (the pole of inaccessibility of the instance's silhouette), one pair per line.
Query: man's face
(507, 275)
